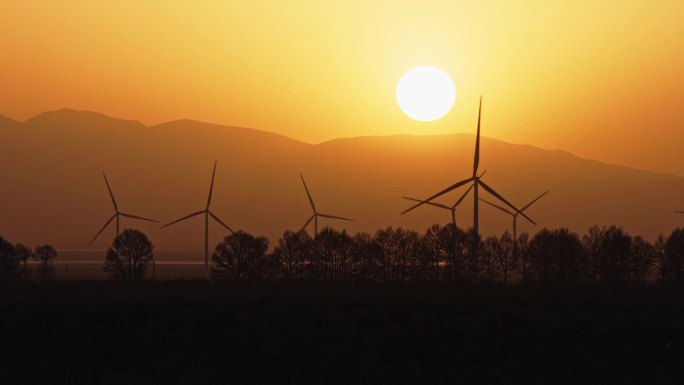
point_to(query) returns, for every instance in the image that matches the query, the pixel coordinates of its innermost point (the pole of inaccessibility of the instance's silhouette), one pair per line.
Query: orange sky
(605, 81)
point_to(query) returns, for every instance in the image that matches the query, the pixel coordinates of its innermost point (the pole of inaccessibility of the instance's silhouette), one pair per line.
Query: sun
(425, 93)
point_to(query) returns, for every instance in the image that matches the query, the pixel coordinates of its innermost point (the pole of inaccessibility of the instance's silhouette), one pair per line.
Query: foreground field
(182, 332)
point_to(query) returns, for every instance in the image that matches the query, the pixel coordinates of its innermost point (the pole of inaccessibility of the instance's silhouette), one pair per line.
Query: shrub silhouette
(129, 256)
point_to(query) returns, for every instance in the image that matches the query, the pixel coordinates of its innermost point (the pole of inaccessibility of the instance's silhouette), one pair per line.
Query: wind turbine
(477, 182)
(117, 214)
(514, 215)
(316, 214)
(207, 213)
(451, 208)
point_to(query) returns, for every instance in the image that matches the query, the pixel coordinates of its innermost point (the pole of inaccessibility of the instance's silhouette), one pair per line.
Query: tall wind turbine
(477, 182)
(451, 208)
(514, 215)
(117, 214)
(207, 213)
(316, 214)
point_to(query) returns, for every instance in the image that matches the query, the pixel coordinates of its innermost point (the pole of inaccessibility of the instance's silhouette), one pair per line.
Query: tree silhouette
(332, 254)
(9, 265)
(522, 250)
(293, 254)
(613, 255)
(555, 256)
(45, 255)
(506, 258)
(366, 258)
(488, 258)
(642, 259)
(23, 254)
(398, 248)
(592, 242)
(674, 255)
(659, 249)
(240, 257)
(472, 244)
(129, 256)
(437, 246)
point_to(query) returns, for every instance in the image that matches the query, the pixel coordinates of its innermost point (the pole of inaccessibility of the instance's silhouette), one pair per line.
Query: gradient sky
(604, 80)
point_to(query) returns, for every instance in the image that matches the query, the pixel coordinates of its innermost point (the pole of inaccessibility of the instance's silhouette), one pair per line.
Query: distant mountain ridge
(53, 189)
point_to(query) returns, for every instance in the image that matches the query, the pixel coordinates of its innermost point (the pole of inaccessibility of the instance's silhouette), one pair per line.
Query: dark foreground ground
(198, 333)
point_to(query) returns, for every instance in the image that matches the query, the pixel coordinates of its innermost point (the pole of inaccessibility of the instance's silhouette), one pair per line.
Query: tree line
(14, 262)
(607, 256)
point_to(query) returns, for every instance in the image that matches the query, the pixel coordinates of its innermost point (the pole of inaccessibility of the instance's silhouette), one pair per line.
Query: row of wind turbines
(207, 213)
(475, 180)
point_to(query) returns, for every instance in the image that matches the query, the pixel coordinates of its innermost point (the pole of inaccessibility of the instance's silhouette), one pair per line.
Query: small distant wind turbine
(117, 214)
(316, 214)
(451, 208)
(207, 213)
(476, 184)
(514, 215)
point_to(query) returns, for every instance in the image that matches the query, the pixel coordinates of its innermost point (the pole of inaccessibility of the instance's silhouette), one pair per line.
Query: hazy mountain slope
(8, 122)
(53, 190)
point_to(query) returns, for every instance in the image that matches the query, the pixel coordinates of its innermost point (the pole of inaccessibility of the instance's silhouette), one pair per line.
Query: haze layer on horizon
(602, 80)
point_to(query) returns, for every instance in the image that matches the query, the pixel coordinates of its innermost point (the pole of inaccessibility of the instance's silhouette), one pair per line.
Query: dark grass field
(193, 332)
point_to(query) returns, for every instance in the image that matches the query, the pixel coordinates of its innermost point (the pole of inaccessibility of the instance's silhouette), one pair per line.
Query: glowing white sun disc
(425, 93)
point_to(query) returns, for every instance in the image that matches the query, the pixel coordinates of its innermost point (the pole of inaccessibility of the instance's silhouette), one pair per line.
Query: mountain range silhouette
(52, 189)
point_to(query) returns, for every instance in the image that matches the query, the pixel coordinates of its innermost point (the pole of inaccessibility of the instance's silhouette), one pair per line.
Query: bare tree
(23, 255)
(365, 257)
(522, 250)
(506, 256)
(592, 245)
(239, 257)
(641, 261)
(129, 256)
(45, 255)
(674, 256)
(293, 254)
(488, 258)
(659, 247)
(8, 262)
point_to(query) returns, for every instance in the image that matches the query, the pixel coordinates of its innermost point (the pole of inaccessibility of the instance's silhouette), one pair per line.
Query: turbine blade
(335, 217)
(137, 217)
(111, 194)
(211, 186)
(679, 212)
(313, 206)
(184, 218)
(458, 202)
(429, 203)
(306, 224)
(476, 163)
(483, 172)
(102, 229)
(221, 222)
(531, 203)
(502, 199)
(497, 206)
(446, 190)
